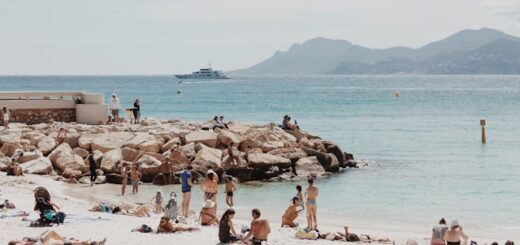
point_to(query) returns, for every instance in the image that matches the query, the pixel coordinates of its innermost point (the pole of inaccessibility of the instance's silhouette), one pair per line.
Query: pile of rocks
(266, 152)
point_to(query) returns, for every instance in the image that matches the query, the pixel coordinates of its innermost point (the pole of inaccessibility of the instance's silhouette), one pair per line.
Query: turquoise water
(423, 149)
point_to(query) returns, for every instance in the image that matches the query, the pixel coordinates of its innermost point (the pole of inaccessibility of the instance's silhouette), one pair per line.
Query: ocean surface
(425, 159)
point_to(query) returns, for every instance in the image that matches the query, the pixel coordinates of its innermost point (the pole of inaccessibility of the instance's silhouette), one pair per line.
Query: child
(230, 188)
(158, 202)
(135, 176)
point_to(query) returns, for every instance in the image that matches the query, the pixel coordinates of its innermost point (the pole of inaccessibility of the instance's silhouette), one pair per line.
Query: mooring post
(483, 125)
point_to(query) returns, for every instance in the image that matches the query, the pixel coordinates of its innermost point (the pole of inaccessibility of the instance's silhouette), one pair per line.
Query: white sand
(83, 225)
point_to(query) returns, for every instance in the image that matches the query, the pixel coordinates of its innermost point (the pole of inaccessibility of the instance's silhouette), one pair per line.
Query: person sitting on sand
(226, 230)
(50, 237)
(14, 169)
(46, 208)
(209, 187)
(165, 226)
(206, 216)
(259, 229)
(158, 202)
(135, 176)
(230, 188)
(291, 213)
(454, 234)
(438, 233)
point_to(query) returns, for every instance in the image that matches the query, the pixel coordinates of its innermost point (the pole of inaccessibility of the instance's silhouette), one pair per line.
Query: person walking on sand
(438, 233)
(137, 111)
(115, 105)
(186, 184)
(454, 234)
(230, 188)
(158, 202)
(260, 229)
(311, 194)
(92, 168)
(6, 116)
(124, 176)
(135, 176)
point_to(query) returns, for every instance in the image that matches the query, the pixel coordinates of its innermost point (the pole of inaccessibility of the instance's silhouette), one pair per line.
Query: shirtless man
(123, 172)
(135, 176)
(311, 194)
(291, 213)
(259, 229)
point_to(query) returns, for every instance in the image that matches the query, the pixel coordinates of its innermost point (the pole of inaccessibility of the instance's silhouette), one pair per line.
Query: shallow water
(423, 148)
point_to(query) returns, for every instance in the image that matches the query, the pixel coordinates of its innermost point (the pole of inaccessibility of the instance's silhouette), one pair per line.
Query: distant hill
(483, 51)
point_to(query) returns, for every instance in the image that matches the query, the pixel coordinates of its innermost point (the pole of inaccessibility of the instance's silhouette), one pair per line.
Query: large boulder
(85, 141)
(72, 140)
(266, 161)
(169, 145)
(110, 141)
(225, 137)
(138, 139)
(46, 145)
(291, 153)
(33, 136)
(323, 158)
(334, 164)
(189, 150)
(12, 138)
(29, 156)
(150, 146)
(62, 149)
(5, 161)
(80, 152)
(148, 165)
(207, 157)
(8, 149)
(130, 154)
(41, 165)
(110, 160)
(205, 137)
(309, 167)
(71, 162)
(334, 149)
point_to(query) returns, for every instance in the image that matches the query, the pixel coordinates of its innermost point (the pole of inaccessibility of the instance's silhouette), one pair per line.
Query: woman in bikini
(311, 194)
(209, 187)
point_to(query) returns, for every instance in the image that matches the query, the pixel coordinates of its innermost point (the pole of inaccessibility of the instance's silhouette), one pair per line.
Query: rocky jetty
(261, 152)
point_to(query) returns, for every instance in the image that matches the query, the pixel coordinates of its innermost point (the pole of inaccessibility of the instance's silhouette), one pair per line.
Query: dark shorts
(229, 193)
(186, 191)
(229, 239)
(256, 241)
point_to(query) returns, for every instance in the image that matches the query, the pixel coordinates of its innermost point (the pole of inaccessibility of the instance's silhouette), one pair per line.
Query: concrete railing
(36, 107)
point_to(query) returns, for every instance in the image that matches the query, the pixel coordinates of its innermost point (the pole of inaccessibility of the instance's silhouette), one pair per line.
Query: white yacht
(204, 73)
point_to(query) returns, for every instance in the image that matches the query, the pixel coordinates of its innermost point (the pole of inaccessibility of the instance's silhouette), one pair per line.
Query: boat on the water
(204, 73)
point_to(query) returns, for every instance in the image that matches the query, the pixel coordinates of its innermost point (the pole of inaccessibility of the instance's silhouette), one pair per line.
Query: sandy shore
(83, 225)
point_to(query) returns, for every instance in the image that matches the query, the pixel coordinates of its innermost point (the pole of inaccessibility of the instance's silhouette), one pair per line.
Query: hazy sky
(172, 36)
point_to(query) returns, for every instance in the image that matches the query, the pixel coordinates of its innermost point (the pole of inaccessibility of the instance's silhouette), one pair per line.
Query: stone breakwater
(264, 152)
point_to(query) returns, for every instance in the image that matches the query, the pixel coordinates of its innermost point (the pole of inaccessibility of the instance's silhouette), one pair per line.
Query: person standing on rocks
(6, 116)
(124, 180)
(186, 184)
(311, 194)
(137, 111)
(92, 168)
(115, 105)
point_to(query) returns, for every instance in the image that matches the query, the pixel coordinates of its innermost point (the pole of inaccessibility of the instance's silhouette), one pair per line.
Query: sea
(423, 149)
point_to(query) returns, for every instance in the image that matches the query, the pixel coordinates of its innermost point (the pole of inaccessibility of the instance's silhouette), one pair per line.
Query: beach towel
(170, 210)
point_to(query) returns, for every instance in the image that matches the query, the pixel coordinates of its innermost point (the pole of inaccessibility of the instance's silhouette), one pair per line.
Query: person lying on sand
(7, 204)
(291, 213)
(50, 237)
(352, 237)
(139, 211)
(165, 226)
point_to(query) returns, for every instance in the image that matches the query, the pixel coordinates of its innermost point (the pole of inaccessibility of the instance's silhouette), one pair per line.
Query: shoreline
(82, 224)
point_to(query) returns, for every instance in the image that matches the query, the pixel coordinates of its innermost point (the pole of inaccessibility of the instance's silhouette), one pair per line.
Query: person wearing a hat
(454, 234)
(115, 105)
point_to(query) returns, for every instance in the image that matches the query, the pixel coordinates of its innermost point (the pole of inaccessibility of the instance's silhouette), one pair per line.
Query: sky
(87, 37)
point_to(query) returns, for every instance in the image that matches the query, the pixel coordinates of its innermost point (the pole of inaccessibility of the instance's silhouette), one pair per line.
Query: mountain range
(482, 51)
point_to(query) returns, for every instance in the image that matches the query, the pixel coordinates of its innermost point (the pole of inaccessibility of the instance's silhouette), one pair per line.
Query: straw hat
(454, 223)
(208, 204)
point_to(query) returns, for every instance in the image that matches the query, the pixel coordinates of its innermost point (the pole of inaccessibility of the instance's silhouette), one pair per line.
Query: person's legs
(123, 187)
(228, 202)
(187, 207)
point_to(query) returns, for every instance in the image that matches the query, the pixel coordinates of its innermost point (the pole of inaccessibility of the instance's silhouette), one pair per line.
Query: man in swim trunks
(135, 176)
(186, 184)
(259, 229)
(291, 213)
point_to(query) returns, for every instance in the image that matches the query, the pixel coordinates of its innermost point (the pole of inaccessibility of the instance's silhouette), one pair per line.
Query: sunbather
(50, 237)
(165, 226)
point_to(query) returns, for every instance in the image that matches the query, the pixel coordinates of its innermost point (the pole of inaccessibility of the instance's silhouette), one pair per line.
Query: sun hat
(208, 204)
(454, 223)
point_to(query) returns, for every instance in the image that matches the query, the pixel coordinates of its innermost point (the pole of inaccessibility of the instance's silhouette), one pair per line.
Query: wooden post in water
(483, 125)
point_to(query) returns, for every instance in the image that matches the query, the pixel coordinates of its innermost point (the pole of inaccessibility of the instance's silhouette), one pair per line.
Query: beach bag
(170, 210)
